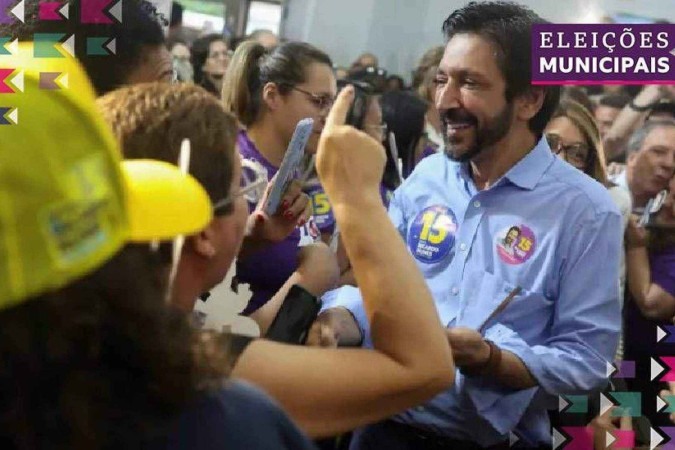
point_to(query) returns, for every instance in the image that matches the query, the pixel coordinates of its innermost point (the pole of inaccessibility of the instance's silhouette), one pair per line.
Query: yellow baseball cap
(67, 202)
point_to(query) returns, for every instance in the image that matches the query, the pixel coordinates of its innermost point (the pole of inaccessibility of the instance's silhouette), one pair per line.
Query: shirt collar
(528, 171)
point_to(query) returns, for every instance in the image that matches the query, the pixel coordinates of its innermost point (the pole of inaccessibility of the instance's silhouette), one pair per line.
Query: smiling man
(527, 324)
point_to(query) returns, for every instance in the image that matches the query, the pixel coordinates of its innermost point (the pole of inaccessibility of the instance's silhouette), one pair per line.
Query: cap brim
(162, 202)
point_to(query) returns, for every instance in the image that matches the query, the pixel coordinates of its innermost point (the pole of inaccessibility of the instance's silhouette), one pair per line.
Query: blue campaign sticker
(432, 234)
(321, 208)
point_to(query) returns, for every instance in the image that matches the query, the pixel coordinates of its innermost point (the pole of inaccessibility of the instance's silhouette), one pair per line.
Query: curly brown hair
(104, 362)
(152, 119)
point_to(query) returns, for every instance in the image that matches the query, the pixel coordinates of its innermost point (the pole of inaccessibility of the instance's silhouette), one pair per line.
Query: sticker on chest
(515, 244)
(432, 234)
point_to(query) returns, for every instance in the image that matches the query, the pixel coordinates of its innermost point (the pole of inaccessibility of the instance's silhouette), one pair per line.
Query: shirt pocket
(486, 301)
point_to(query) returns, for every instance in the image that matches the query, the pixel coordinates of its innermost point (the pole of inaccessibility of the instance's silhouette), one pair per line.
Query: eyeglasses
(572, 153)
(321, 102)
(381, 129)
(251, 187)
(222, 53)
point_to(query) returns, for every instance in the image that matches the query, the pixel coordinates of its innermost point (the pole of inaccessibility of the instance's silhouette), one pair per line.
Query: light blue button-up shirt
(545, 227)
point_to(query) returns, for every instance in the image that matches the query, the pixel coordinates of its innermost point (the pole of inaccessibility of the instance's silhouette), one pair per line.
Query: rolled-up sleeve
(587, 319)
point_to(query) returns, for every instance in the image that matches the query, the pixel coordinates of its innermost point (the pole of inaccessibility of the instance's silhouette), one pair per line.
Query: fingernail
(288, 215)
(259, 219)
(284, 205)
(302, 222)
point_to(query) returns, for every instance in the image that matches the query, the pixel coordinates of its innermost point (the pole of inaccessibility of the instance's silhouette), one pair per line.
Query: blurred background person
(210, 59)
(182, 64)
(266, 38)
(608, 108)
(423, 83)
(650, 163)
(395, 83)
(364, 61)
(405, 116)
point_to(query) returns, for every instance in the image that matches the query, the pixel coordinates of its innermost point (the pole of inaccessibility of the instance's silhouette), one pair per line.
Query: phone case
(290, 164)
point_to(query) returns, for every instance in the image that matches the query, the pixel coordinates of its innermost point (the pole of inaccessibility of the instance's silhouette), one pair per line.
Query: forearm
(251, 244)
(628, 120)
(388, 279)
(264, 316)
(638, 275)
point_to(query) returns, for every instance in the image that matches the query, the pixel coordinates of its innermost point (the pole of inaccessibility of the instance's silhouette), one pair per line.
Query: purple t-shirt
(662, 265)
(267, 270)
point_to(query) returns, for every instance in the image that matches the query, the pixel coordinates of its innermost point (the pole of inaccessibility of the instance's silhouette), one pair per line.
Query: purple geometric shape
(5, 17)
(625, 369)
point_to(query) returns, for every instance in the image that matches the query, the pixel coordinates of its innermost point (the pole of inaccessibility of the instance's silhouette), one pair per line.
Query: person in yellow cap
(325, 391)
(91, 356)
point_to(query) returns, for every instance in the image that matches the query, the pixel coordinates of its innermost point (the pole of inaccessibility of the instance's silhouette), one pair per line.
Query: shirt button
(462, 246)
(476, 204)
(454, 290)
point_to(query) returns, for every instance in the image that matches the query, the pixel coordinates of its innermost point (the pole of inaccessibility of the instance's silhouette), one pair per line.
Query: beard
(466, 146)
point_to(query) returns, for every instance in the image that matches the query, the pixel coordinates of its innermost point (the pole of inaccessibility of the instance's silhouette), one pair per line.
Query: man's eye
(439, 81)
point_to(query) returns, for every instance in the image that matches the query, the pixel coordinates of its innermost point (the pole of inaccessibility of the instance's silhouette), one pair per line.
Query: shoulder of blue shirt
(587, 192)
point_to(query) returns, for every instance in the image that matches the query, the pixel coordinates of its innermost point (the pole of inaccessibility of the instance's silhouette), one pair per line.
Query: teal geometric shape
(44, 45)
(578, 404)
(95, 46)
(630, 404)
(3, 42)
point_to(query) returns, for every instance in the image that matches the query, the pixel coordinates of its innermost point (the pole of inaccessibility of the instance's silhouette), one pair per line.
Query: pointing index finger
(338, 113)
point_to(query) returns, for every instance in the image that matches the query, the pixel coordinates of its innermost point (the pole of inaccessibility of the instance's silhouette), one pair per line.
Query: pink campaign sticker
(515, 244)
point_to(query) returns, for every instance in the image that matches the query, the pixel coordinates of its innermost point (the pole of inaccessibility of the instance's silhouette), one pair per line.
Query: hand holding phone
(289, 166)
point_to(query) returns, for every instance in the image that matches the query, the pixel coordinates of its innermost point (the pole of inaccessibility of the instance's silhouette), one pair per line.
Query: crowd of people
(475, 246)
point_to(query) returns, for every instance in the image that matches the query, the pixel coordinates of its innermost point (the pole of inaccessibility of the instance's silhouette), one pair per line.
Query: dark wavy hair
(404, 113)
(508, 26)
(199, 54)
(103, 362)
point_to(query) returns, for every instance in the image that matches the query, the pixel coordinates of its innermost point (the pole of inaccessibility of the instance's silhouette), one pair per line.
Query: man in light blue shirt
(520, 250)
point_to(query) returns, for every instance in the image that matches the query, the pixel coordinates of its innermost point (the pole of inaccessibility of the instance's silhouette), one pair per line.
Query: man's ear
(271, 96)
(203, 243)
(529, 103)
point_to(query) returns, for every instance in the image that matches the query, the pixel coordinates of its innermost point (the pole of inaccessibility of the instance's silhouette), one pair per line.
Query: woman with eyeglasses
(270, 91)
(574, 136)
(210, 59)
